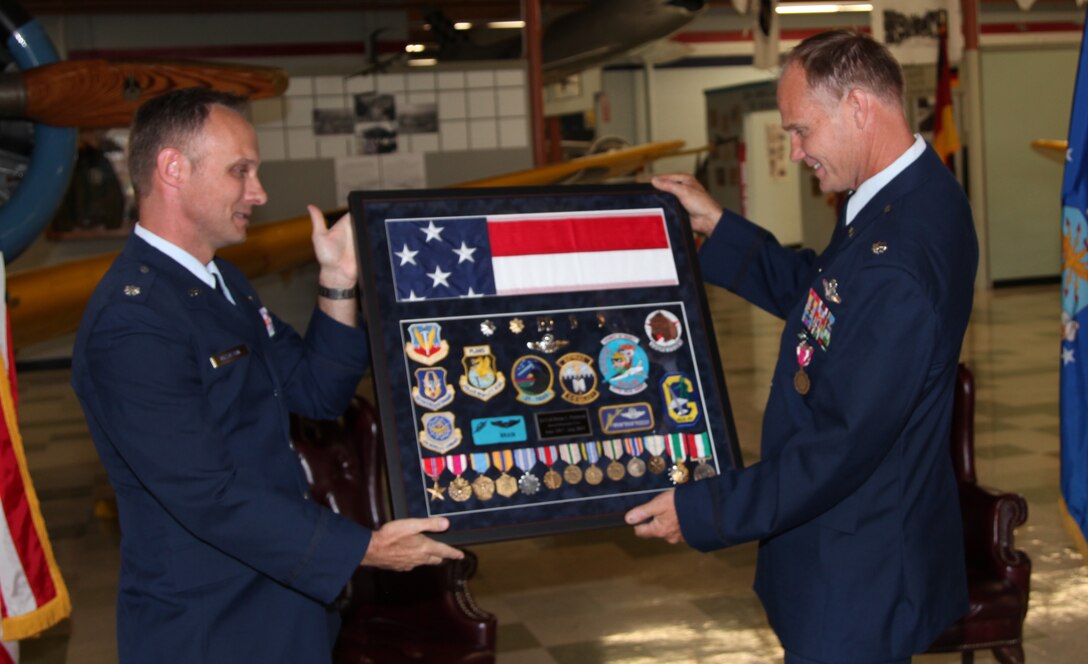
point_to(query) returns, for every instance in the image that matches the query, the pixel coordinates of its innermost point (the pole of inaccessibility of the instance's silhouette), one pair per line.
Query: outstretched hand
(335, 250)
(400, 545)
(657, 518)
(702, 209)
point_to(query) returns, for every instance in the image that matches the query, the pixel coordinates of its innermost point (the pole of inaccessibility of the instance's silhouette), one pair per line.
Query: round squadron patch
(624, 364)
(533, 379)
(664, 331)
(577, 378)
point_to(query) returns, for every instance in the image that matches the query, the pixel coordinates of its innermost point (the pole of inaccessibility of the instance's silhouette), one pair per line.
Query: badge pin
(831, 290)
(879, 247)
(517, 326)
(487, 328)
(547, 344)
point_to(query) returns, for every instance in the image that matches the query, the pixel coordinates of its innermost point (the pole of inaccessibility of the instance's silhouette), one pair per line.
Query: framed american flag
(543, 358)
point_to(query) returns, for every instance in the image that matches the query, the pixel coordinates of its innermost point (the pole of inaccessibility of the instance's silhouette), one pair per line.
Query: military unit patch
(577, 378)
(481, 379)
(432, 391)
(626, 418)
(439, 433)
(664, 331)
(679, 396)
(426, 344)
(624, 364)
(533, 378)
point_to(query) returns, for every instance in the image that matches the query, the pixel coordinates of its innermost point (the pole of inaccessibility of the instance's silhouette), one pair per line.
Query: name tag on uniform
(228, 356)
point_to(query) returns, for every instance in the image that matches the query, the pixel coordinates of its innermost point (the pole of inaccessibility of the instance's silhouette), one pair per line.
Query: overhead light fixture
(506, 25)
(414, 48)
(823, 8)
(462, 25)
(422, 62)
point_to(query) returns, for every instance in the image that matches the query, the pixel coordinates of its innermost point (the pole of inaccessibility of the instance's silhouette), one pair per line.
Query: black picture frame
(439, 353)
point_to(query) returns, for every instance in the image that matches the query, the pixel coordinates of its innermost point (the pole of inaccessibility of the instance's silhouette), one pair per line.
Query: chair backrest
(346, 463)
(963, 426)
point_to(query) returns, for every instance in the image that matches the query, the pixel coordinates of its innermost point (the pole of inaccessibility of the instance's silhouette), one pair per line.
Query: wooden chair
(426, 615)
(998, 574)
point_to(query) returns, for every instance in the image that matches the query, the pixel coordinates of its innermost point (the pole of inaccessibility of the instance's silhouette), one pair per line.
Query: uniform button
(850, 232)
(275, 394)
(144, 269)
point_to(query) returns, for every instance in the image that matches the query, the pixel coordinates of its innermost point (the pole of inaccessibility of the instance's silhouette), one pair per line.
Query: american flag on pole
(33, 596)
(513, 254)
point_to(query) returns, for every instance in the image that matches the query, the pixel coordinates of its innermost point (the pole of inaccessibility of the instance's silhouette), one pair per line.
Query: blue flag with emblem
(1074, 361)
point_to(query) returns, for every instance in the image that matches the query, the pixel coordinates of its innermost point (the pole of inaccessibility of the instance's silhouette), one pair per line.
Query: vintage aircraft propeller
(102, 94)
(36, 160)
(35, 177)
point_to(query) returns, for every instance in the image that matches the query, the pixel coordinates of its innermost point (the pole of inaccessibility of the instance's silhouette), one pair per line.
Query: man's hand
(401, 545)
(702, 209)
(657, 518)
(335, 250)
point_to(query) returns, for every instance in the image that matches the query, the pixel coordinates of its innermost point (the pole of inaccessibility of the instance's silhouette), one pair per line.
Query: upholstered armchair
(998, 574)
(426, 615)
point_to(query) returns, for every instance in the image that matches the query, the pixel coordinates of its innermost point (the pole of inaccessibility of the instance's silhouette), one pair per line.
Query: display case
(544, 358)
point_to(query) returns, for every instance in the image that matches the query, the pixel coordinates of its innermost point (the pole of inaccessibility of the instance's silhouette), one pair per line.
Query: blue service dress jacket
(853, 501)
(223, 556)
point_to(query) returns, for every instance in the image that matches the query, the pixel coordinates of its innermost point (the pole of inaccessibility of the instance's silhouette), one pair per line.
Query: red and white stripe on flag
(559, 251)
(33, 596)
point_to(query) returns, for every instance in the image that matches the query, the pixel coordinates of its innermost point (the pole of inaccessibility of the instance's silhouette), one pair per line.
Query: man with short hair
(187, 382)
(853, 500)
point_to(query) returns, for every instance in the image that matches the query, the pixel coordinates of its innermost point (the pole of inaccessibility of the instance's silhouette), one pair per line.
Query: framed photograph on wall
(544, 358)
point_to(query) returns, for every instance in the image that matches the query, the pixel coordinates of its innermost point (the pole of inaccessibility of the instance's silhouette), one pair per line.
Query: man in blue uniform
(853, 500)
(187, 381)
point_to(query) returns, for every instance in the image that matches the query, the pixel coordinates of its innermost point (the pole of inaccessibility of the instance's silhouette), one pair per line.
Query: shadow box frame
(424, 348)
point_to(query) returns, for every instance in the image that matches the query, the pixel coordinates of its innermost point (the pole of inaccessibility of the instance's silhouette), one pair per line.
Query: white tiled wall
(477, 110)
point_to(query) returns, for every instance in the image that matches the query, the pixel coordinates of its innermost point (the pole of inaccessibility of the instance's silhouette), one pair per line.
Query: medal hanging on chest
(801, 382)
